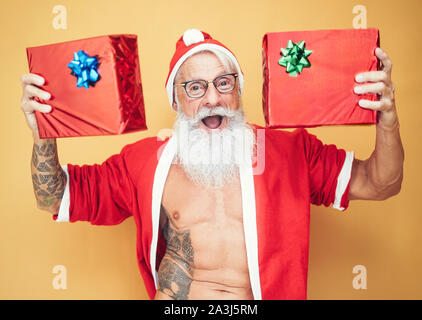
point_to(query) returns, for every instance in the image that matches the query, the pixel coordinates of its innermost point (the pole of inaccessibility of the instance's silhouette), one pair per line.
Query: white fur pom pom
(192, 36)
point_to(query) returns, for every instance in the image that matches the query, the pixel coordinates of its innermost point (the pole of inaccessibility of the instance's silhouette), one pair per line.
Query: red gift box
(314, 88)
(112, 104)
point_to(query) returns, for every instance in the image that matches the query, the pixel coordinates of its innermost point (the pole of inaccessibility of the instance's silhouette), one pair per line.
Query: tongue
(212, 122)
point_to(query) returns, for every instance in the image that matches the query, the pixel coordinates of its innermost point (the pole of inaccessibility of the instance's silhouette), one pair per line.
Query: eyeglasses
(197, 88)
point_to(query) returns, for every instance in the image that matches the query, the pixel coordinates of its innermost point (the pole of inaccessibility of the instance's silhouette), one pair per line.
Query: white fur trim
(160, 177)
(209, 46)
(248, 205)
(249, 225)
(343, 179)
(192, 36)
(63, 215)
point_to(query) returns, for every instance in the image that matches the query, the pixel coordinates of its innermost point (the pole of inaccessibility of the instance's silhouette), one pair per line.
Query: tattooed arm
(48, 178)
(102, 194)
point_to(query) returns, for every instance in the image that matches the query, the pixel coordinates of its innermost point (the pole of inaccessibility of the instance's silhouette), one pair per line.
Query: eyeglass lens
(223, 84)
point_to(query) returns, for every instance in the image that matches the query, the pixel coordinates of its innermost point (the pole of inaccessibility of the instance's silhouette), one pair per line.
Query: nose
(212, 97)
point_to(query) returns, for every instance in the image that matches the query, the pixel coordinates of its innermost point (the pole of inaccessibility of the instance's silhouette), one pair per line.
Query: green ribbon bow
(294, 57)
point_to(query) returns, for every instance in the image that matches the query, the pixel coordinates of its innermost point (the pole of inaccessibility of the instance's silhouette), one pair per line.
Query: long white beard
(211, 159)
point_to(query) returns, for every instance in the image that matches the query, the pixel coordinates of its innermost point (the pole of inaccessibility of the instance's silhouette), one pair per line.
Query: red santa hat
(193, 41)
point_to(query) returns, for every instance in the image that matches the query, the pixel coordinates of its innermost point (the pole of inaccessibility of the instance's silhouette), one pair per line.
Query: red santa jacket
(290, 171)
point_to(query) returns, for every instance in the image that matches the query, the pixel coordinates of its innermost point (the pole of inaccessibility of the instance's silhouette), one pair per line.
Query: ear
(174, 106)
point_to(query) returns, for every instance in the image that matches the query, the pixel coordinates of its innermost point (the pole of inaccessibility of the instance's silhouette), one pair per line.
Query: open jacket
(290, 171)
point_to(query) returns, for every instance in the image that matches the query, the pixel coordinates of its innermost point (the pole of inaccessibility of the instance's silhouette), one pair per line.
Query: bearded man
(222, 206)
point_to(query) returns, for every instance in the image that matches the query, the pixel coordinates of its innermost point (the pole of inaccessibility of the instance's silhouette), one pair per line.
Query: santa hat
(193, 41)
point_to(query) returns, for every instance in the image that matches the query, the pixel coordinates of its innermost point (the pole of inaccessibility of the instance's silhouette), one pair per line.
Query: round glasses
(197, 88)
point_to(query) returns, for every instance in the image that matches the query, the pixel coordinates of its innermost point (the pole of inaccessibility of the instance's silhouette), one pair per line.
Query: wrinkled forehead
(204, 65)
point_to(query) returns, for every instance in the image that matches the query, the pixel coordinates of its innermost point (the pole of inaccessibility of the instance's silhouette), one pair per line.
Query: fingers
(32, 78)
(29, 82)
(377, 87)
(381, 105)
(372, 76)
(378, 82)
(386, 62)
(30, 91)
(380, 88)
(30, 105)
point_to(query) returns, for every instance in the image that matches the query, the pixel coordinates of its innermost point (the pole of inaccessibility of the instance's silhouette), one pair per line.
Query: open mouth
(213, 122)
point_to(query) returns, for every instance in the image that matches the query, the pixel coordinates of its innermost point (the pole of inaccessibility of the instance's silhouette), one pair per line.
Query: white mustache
(215, 111)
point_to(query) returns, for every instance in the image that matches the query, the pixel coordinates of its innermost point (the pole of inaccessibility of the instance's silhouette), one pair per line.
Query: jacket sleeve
(329, 172)
(102, 194)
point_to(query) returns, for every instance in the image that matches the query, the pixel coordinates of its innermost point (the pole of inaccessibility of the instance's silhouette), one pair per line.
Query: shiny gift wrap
(95, 85)
(309, 77)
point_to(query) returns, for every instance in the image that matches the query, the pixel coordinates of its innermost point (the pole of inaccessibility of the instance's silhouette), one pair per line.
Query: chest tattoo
(175, 271)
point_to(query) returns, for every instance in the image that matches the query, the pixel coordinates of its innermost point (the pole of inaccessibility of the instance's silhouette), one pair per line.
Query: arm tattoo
(48, 178)
(175, 272)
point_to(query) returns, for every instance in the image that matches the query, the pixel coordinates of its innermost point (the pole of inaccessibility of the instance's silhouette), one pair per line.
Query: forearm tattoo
(175, 272)
(48, 178)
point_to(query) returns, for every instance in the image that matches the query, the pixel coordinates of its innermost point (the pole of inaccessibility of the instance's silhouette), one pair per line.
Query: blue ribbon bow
(84, 68)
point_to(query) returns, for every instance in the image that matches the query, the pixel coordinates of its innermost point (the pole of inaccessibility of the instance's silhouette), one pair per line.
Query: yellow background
(384, 236)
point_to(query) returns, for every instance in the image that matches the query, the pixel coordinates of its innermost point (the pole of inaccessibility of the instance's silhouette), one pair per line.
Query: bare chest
(208, 221)
(203, 229)
(188, 205)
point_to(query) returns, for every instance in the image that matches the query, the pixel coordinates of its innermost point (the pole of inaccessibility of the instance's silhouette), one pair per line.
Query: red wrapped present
(95, 85)
(309, 77)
